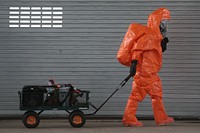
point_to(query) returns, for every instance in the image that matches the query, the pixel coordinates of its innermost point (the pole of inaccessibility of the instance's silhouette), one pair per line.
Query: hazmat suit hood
(155, 19)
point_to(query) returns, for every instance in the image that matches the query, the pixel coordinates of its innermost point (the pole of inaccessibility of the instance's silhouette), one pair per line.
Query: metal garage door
(76, 41)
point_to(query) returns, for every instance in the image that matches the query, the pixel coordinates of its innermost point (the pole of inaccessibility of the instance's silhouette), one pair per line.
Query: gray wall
(83, 52)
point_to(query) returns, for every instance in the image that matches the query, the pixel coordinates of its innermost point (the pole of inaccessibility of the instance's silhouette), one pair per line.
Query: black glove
(164, 43)
(133, 67)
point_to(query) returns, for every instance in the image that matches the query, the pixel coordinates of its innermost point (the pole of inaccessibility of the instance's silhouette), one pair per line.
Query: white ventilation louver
(33, 17)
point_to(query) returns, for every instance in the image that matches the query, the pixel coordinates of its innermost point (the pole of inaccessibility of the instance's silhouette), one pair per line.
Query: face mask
(163, 28)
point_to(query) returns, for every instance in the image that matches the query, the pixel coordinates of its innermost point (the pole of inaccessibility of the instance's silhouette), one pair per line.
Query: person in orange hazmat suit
(141, 50)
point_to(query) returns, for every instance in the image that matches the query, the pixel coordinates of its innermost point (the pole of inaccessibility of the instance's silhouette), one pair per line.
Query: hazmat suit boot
(165, 122)
(129, 118)
(160, 115)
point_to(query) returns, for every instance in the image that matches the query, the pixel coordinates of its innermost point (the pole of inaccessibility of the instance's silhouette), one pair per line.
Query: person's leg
(160, 115)
(137, 95)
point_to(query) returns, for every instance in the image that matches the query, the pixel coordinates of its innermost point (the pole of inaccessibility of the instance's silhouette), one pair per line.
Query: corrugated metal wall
(83, 52)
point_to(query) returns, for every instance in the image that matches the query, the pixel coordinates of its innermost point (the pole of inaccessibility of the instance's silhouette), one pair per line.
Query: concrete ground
(98, 126)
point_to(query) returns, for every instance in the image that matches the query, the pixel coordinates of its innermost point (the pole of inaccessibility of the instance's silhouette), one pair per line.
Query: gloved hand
(164, 43)
(133, 67)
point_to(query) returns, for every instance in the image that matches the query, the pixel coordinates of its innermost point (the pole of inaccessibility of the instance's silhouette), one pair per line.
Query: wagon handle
(118, 88)
(125, 80)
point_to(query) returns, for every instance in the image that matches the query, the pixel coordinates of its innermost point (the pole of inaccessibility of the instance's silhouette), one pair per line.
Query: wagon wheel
(31, 119)
(77, 118)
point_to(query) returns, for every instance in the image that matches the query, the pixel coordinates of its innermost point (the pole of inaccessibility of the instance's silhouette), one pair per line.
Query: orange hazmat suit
(143, 44)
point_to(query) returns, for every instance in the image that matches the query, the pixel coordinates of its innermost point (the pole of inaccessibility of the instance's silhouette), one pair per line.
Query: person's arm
(136, 53)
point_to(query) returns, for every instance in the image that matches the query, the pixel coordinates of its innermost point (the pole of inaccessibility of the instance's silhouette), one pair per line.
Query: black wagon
(35, 99)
